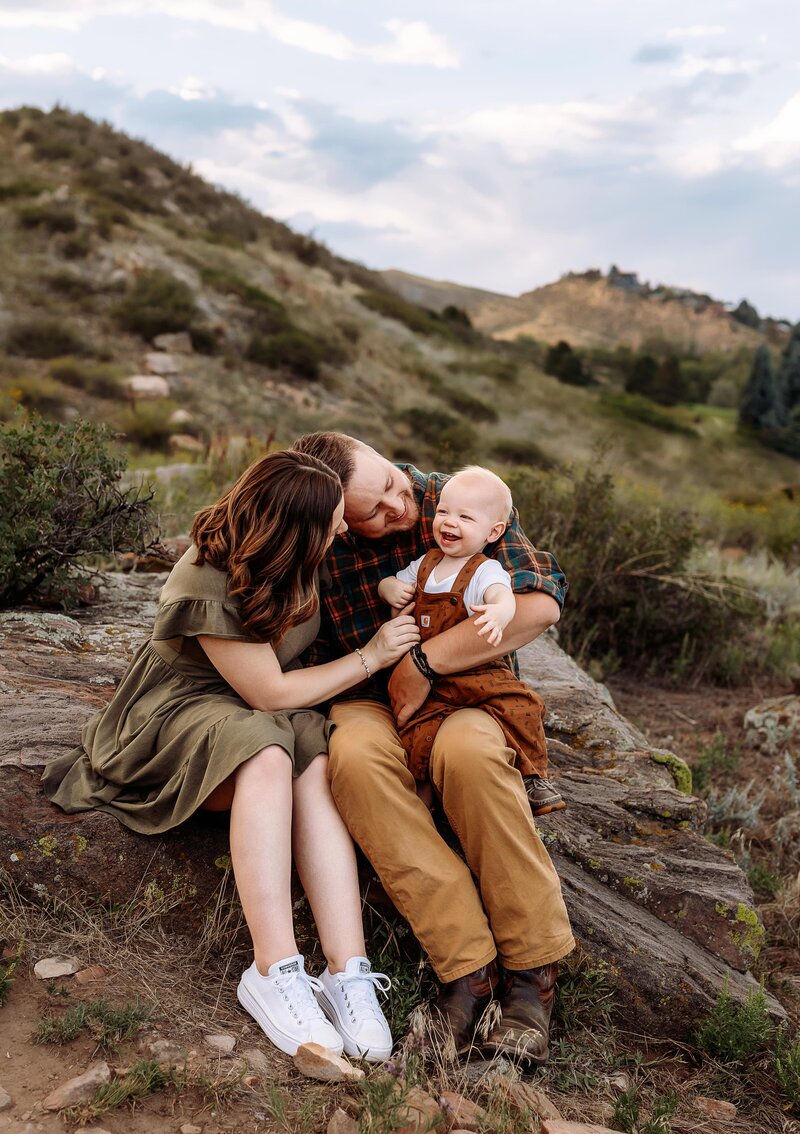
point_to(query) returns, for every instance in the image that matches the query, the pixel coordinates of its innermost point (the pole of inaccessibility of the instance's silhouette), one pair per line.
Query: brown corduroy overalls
(491, 687)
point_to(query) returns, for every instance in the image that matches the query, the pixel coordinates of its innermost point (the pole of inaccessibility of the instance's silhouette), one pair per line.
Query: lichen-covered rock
(773, 725)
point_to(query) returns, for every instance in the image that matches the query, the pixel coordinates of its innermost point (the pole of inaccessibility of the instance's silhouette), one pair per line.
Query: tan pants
(513, 905)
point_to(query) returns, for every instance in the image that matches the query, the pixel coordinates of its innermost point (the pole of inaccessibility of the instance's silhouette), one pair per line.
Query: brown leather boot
(457, 1010)
(526, 1003)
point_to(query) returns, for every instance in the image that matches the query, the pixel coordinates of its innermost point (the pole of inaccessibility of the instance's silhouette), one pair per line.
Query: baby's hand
(493, 621)
(397, 594)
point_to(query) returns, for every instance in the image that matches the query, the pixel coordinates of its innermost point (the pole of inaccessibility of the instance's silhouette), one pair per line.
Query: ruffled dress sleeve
(187, 618)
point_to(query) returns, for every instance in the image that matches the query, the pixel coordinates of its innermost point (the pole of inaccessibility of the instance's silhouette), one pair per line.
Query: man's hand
(408, 690)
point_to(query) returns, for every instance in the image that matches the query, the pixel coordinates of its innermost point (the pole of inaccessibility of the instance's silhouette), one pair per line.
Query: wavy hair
(270, 532)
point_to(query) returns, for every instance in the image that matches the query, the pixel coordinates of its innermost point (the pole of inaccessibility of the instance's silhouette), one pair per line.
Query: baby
(452, 582)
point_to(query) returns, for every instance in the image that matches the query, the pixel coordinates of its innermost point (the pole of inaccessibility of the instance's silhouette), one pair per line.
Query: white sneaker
(348, 1000)
(283, 1005)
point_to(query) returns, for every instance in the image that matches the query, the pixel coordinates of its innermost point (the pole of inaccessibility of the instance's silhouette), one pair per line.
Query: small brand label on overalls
(425, 620)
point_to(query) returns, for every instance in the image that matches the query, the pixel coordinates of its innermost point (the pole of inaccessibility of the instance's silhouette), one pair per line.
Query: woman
(202, 719)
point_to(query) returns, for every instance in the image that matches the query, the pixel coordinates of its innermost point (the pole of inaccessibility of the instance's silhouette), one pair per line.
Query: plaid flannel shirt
(351, 608)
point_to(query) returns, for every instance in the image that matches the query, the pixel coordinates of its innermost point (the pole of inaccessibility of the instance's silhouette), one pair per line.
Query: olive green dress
(174, 729)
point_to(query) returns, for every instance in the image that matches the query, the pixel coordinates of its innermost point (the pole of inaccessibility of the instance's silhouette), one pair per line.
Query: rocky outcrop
(668, 913)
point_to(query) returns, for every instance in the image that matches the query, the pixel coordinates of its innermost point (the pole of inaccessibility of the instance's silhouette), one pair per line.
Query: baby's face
(466, 518)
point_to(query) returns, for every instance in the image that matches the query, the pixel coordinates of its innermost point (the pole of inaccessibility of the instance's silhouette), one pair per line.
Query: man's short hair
(337, 450)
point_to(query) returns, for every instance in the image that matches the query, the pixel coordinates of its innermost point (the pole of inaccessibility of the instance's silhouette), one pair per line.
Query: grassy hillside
(104, 242)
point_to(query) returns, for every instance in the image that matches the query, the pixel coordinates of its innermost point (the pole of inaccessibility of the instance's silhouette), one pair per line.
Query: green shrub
(271, 314)
(293, 350)
(43, 337)
(39, 393)
(476, 409)
(147, 424)
(21, 187)
(636, 407)
(417, 319)
(563, 363)
(427, 423)
(60, 501)
(735, 1031)
(633, 597)
(52, 217)
(102, 381)
(70, 285)
(519, 451)
(787, 1067)
(157, 303)
(76, 247)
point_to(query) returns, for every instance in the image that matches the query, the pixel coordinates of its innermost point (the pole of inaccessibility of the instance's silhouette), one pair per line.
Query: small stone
(185, 443)
(187, 1128)
(51, 967)
(554, 1126)
(167, 1053)
(257, 1061)
(523, 1096)
(341, 1123)
(5, 1100)
(159, 363)
(317, 1062)
(251, 1080)
(179, 342)
(461, 1112)
(420, 1111)
(222, 1044)
(79, 1090)
(620, 1082)
(90, 975)
(92, 1130)
(715, 1108)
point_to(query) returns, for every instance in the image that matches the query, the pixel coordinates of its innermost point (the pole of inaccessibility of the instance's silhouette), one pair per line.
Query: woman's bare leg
(261, 852)
(326, 863)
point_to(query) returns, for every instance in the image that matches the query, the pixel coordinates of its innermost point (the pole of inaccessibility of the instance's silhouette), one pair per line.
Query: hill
(591, 309)
(107, 244)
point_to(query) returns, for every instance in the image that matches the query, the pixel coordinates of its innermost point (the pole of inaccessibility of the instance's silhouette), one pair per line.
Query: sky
(498, 144)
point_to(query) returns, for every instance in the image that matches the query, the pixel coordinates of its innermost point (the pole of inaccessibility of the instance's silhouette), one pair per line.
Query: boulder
(145, 386)
(668, 914)
(773, 725)
(159, 363)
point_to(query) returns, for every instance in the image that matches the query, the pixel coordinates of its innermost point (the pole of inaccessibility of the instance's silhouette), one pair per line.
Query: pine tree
(762, 406)
(790, 374)
(642, 378)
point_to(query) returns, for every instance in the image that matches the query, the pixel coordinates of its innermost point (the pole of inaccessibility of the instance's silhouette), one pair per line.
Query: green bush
(563, 363)
(39, 393)
(636, 407)
(102, 381)
(271, 315)
(21, 187)
(52, 217)
(633, 598)
(157, 303)
(61, 501)
(735, 1031)
(43, 337)
(70, 285)
(76, 247)
(476, 409)
(294, 350)
(417, 319)
(787, 1068)
(147, 424)
(519, 451)
(426, 422)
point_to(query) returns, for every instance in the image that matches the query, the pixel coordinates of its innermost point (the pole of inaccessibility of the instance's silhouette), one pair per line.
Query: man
(498, 924)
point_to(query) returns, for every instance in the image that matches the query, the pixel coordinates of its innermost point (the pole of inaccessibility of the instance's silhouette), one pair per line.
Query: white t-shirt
(488, 573)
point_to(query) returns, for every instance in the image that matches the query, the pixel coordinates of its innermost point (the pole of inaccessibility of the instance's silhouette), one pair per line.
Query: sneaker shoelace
(358, 990)
(298, 989)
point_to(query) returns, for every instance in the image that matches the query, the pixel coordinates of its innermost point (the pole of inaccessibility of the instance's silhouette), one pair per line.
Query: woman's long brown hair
(270, 532)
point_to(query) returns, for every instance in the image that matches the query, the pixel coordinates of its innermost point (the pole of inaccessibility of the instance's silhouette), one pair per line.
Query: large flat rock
(669, 914)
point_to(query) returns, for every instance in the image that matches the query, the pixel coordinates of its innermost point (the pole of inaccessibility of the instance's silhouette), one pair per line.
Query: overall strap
(431, 561)
(466, 573)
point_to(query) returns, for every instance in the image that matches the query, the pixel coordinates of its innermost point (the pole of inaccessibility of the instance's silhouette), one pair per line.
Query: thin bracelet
(364, 662)
(423, 665)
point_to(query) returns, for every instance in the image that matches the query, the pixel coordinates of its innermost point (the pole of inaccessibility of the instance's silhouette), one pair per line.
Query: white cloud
(415, 44)
(192, 88)
(55, 63)
(696, 31)
(410, 43)
(777, 142)
(691, 66)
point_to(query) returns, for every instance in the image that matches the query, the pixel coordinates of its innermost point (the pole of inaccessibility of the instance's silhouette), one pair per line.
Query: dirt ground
(218, 1098)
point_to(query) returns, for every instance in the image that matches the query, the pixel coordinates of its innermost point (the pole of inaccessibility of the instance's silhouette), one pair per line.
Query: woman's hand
(394, 639)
